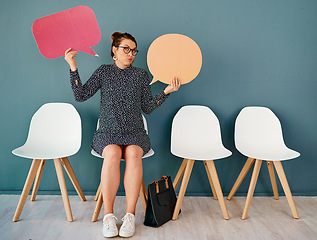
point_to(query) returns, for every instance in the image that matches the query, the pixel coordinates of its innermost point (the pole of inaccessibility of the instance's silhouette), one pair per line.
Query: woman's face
(124, 59)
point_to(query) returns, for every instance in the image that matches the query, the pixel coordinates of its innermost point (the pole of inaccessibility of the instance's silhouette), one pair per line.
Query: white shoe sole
(110, 235)
(126, 235)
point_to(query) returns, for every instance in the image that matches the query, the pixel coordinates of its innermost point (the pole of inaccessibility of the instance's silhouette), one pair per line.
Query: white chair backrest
(144, 122)
(196, 128)
(257, 129)
(56, 126)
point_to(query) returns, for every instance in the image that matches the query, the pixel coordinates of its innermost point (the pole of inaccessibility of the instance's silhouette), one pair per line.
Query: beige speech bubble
(174, 55)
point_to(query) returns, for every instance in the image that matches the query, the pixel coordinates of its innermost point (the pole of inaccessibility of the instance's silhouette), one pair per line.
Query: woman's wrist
(166, 91)
(73, 67)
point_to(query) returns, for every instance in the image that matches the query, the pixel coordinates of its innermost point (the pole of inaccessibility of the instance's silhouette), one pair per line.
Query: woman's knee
(112, 152)
(133, 152)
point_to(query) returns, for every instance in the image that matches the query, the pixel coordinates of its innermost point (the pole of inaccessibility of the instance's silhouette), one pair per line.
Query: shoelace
(127, 220)
(110, 222)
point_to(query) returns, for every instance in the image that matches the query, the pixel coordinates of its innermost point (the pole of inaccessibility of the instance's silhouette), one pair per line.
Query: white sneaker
(109, 228)
(128, 226)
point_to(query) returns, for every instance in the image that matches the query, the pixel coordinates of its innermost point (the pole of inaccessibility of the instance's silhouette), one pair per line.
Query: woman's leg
(133, 175)
(110, 175)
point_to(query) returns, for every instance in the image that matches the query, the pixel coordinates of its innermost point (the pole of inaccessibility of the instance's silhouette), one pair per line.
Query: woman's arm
(148, 102)
(86, 91)
(82, 92)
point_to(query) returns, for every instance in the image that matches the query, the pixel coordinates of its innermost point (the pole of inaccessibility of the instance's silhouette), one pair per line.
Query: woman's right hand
(69, 57)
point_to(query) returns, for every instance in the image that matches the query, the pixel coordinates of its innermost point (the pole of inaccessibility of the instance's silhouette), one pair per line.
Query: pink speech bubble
(75, 28)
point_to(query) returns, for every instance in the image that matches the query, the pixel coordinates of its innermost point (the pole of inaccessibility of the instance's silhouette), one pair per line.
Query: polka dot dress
(124, 94)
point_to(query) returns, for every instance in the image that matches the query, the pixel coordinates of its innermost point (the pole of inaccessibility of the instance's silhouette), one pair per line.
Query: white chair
(196, 136)
(54, 133)
(143, 190)
(258, 136)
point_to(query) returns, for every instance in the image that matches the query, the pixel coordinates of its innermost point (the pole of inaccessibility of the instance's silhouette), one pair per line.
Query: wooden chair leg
(97, 208)
(73, 178)
(210, 181)
(215, 180)
(37, 179)
(98, 192)
(143, 195)
(287, 190)
(188, 170)
(180, 174)
(272, 177)
(241, 176)
(62, 185)
(255, 174)
(26, 189)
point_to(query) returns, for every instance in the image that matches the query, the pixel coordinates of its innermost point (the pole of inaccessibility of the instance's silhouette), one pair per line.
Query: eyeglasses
(127, 50)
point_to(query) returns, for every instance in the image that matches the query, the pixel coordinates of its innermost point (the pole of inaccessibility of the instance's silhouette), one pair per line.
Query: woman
(125, 91)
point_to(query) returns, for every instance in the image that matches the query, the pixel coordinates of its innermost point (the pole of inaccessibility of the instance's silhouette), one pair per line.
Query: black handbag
(161, 202)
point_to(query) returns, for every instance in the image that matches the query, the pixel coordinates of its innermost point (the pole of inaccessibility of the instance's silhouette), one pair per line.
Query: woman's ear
(114, 49)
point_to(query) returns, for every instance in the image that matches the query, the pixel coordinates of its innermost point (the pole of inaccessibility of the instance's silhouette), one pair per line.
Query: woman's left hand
(173, 86)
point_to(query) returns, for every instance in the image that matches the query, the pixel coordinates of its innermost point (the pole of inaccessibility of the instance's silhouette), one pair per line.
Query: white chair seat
(148, 154)
(271, 154)
(42, 152)
(207, 154)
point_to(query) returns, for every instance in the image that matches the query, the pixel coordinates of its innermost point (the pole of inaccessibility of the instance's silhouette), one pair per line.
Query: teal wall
(254, 53)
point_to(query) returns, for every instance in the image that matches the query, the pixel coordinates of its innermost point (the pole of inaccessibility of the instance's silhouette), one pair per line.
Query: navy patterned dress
(124, 93)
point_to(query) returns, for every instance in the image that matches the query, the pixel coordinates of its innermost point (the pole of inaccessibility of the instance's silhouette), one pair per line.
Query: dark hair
(117, 38)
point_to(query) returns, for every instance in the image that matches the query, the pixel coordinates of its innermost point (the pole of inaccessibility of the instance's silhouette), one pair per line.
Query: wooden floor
(201, 218)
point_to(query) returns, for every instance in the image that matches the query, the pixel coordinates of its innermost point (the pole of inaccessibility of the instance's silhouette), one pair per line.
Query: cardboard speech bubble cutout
(174, 55)
(75, 28)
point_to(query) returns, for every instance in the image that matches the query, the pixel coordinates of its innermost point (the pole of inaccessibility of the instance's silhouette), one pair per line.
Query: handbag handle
(165, 178)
